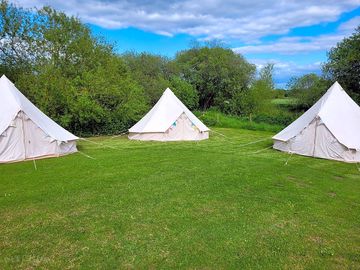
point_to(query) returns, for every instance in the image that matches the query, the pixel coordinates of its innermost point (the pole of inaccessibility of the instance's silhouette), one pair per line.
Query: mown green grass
(216, 204)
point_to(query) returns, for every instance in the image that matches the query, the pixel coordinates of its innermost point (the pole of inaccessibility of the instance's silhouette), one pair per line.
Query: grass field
(216, 204)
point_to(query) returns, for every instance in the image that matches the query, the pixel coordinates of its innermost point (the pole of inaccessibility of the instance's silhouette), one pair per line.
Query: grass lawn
(216, 204)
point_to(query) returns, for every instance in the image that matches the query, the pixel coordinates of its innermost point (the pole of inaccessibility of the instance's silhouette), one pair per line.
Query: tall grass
(217, 119)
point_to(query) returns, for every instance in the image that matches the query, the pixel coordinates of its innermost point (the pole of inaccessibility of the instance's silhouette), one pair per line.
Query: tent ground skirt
(181, 130)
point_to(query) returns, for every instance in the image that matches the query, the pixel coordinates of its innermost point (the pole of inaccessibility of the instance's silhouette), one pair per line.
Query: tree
(344, 64)
(185, 92)
(155, 73)
(258, 98)
(74, 77)
(218, 74)
(152, 72)
(307, 89)
(18, 33)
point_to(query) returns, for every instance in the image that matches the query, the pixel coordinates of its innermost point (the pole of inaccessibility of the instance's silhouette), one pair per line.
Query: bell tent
(26, 132)
(169, 120)
(329, 129)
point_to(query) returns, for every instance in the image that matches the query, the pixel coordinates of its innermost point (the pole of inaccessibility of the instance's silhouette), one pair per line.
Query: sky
(293, 35)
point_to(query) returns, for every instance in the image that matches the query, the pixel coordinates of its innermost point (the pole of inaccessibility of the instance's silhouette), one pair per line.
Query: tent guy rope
(103, 145)
(120, 135)
(34, 162)
(241, 145)
(287, 160)
(85, 155)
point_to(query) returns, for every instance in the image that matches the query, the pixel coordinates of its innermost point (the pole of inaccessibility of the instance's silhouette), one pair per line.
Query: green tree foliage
(344, 64)
(258, 98)
(156, 73)
(17, 39)
(75, 78)
(150, 71)
(279, 93)
(185, 92)
(218, 74)
(307, 89)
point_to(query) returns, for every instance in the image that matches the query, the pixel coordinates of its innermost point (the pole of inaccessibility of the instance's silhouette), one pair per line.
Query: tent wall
(23, 140)
(181, 130)
(12, 142)
(317, 141)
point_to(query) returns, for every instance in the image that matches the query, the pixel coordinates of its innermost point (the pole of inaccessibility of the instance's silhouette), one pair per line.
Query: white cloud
(303, 44)
(350, 25)
(284, 70)
(293, 45)
(245, 20)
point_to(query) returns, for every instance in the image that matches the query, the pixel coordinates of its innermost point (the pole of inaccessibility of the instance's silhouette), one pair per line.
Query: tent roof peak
(338, 112)
(164, 114)
(12, 101)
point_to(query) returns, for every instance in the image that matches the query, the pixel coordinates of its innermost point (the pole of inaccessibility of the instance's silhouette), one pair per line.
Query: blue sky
(294, 35)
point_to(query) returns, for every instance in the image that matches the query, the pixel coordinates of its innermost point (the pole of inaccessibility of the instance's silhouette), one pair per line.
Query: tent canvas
(329, 129)
(169, 120)
(26, 132)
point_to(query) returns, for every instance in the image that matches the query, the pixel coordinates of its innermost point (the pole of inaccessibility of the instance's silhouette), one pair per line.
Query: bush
(307, 89)
(282, 119)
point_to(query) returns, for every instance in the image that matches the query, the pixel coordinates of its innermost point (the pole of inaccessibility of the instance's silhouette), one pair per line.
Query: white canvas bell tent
(330, 129)
(169, 120)
(26, 132)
